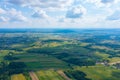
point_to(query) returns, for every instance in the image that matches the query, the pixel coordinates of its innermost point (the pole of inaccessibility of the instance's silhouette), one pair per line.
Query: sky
(59, 13)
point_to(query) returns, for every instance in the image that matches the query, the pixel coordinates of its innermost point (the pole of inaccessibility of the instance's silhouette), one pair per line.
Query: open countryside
(57, 55)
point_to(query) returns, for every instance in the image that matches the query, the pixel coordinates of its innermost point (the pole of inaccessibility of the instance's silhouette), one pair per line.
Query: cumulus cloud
(61, 19)
(48, 12)
(50, 4)
(96, 2)
(2, 11)
(16, 15)
(40, 14)
(3, 19)
(76, 12)
(107, 1)
(12, 15)
(17, 2)
(102, 3)
(114, 16)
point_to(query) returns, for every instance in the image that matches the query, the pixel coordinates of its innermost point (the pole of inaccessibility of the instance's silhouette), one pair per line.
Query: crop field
(42, 75)
(40, 61)
(102, 55)
(18, 77)
(3, 53)
(49, 75)
(115, 60)
(101, 47)
(100, 72)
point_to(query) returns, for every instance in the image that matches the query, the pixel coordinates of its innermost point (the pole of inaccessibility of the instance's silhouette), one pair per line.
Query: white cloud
(65, 13)
(17, 2)
(49, 4)
(61, 19)
(108, 1)
(12, 15)
(16, 15)
(102, 3)
(76, 12)
(2, 11)
(114, 16)
(40, 14)
(3, 19)
(97, 3)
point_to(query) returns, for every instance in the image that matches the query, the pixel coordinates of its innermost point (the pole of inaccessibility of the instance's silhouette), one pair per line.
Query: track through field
(33, 76)
(63, 75)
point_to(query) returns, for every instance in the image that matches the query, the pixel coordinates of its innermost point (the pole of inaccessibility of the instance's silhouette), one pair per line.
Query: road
(63, 75)
(33, 76)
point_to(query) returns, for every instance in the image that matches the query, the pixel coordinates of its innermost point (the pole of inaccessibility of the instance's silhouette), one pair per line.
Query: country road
(63, 75)
(33, 76)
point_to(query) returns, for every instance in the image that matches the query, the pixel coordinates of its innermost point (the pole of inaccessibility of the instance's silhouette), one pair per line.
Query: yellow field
(103, 55)
(49, 75)
(84, 44)
(101, 48)
(115, 60)
(18, 77)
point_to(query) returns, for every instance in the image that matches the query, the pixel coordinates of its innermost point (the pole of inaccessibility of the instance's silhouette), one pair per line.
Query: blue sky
(59, 13)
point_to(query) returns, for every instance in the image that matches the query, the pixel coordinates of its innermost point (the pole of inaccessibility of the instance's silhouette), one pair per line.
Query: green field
(3, 53)
(49, 75)
(40, 61)
(100, 72)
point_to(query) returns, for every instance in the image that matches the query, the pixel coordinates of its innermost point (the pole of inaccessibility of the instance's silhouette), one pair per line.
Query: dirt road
(33, 76)
(63, 75)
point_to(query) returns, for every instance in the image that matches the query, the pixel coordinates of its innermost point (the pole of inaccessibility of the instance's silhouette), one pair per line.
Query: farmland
(49, 74)
(100, 72)
(60, 55)
(40, 61)
(18, 77)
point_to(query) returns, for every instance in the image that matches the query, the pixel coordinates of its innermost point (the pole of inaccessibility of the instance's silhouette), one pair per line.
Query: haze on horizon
(59, 13)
